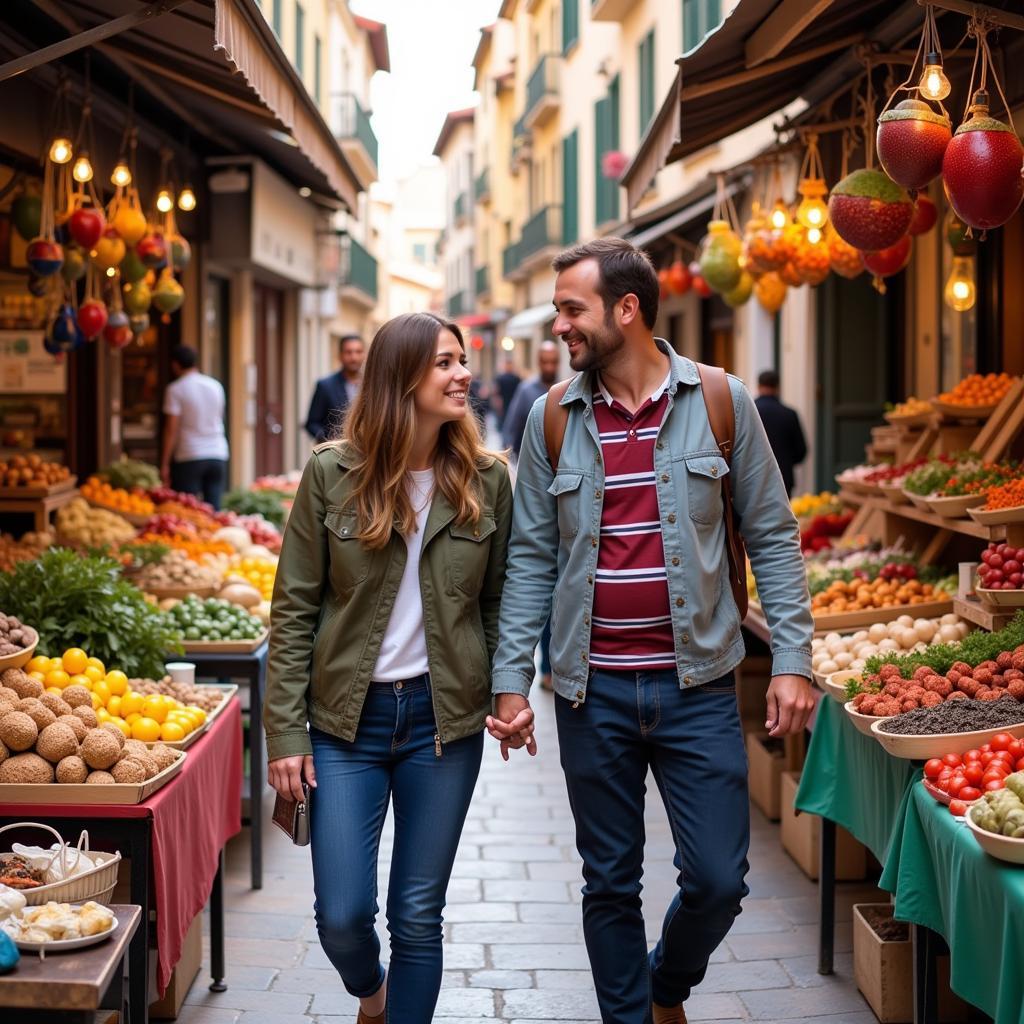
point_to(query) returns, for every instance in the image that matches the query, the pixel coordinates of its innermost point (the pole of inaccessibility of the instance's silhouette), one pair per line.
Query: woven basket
(96, 884)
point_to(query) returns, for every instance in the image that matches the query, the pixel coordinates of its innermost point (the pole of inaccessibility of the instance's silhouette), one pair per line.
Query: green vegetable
(130, 473)
(268, 504)
(145, 554)
(76, 601)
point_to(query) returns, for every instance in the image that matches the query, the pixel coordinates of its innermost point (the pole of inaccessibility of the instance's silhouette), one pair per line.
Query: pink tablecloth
(194, 815)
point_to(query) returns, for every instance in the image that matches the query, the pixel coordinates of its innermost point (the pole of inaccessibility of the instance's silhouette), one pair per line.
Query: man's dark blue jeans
(205, 478)
(692, 742)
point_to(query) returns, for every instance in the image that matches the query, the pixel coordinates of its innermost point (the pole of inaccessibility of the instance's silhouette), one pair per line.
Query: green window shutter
(317, 62)
(570, 24)
(646, 74)
(699, 18)
(277, 17)
(600, 144)
(300, 40)
(570, 189)
(614, 140)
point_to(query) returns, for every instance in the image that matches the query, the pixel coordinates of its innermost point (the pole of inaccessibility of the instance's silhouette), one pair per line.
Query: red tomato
(986, 757)
(1020, 765)
(958, 808)
(972, 755)
(1017, 749)
(974, 773)
(955, 785)
(969, 793)
(943, 783)
(932, 768)
(993, 784)
(1001, 741)
(953, 760)
(1004, 755)
(987, 747)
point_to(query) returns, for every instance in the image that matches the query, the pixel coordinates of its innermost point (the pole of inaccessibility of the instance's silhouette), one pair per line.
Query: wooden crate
(801, 838)
(765, 767)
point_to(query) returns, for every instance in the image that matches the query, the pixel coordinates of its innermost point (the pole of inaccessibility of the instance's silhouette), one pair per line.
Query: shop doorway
(859, 353)
(717, 334)
(268, 317)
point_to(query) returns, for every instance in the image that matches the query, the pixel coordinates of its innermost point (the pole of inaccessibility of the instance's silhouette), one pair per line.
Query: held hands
(790, 703)
(286, 775)
(512, 724)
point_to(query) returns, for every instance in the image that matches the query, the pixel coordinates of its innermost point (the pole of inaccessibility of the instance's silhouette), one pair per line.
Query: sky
(431, 44)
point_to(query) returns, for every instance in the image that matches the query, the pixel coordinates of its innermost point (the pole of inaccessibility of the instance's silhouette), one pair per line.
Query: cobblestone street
(514, 945)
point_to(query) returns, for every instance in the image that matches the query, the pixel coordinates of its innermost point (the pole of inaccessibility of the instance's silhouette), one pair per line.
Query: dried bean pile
(956, 716)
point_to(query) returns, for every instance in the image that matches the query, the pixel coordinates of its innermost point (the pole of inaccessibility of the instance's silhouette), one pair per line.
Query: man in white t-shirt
(195, 447)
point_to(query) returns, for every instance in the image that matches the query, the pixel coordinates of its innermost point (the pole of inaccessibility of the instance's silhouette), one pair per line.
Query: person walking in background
(782, 425)
(548, 361)
(619, 530)
(505, 385)
(334, 394)
(383, 625)
(194, 456)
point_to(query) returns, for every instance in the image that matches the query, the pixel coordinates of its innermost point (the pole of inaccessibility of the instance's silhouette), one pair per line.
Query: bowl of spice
(953, 726)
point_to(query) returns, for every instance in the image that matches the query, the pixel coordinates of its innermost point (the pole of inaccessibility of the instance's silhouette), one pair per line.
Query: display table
(39, 508)
(945, 882)
(175, 840)
(253, 669)
(848, 779)
(70, 987)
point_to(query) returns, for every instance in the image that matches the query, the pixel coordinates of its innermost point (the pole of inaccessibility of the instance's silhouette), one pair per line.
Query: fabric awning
(693, 210)
(522, 324)
(218, 66)
(722, 86)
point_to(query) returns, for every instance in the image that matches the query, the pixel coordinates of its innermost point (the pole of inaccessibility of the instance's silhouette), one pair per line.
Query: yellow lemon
(171, 732)
(96, 702)
(40, 677)
(146, 729)
(81, 680)
(102, 714)
(133, 717)
(75, 661)
(96, 663)
(92, 673)
(115, 677)
(102, 690)
(40, 663)
(197, 711)
(55, 665)
(124, 727)
(131, 702)
(57, 677)
(55, 690)
(114, 706)
(155, 708)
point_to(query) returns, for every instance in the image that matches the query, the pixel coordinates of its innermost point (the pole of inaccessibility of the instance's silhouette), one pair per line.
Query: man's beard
(598, 347)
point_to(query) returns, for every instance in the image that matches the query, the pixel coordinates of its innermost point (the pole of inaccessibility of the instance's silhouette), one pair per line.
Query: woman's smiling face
(443, 393)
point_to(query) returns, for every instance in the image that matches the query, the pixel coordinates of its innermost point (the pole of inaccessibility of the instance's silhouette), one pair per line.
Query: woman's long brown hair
(381, 426)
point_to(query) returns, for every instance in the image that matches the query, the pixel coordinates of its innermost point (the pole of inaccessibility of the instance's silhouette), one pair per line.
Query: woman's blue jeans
(393, 758)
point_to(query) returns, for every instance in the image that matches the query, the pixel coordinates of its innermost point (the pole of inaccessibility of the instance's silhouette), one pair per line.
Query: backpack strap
(556, 419)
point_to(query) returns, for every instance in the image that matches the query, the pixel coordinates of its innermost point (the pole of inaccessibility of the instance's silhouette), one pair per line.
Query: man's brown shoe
(668, 1014)
(363, 1018)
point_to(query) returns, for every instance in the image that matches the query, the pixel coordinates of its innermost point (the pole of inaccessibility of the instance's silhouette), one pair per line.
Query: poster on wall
(27, 368)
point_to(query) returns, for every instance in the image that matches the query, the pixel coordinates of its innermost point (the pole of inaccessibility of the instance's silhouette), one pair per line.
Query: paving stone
(246, 999)
(469, 1002)
(479, 912)
(309, 980)
(500, 979)
(550, 913)
(551, 1004)
(755, 974)
(255, 1017)
(261, 952)
(535, 957)
(523, 933)
(864, 1017)
(258, 979)
(564, 979)
(531, 853)
(554, 871)
(804, 970)
(753, 922)
(270, 926)
(489, 869)
(207, 1015)
(799, 941)
(776, 1004)
(718, 1006)
(517, 891)
(464, 955)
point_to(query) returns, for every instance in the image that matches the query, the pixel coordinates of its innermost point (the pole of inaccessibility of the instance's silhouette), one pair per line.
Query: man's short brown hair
(623, 268)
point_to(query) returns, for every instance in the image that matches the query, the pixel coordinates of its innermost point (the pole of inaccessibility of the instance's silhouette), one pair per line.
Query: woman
(385, 618)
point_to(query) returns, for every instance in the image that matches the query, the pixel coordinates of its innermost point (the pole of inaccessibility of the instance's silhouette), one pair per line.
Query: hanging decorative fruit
(39, 286)
(926, 213)
(129, 221)
(54, 348)
(679, 278)
(86, 225)
(720, 256)
(888, 261)
(770, 290)
(790, 275)
(44, 256)
(982, 169)
(181, 252)
(697, 282)
(26, 212)
(756, 242)
(109, 251)
(118, 331)
(74, 265)
(663, 290)
(139, 324)
(152, 250)
(132, 268)
(64, 331)
(740, 293)
(137, 297)
(92, 318)
(843, 258)
(911, 140)
(168, 295)
(810, 260)
(959, 240)
(869, 210)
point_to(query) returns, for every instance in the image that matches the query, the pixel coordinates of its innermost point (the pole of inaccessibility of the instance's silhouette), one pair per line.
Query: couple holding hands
(411, 592)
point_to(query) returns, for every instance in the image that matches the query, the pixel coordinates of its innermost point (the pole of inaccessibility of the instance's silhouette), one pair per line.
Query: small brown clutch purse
(292, 817)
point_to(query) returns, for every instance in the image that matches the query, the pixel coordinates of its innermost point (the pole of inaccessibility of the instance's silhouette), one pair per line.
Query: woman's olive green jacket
(333, 598)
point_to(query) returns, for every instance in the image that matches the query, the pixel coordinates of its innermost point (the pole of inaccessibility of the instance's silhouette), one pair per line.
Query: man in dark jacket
(335, 393)
(527, 393)
(782, 425)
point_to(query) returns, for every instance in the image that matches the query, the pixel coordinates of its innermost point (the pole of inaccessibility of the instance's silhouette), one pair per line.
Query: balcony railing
(457, 304)
(358, 269)
(510, 260)
(482, 186)
(543, 229)
(521, 141)
(352, 122)
(542, 90)
(483, 280)
(460, 207)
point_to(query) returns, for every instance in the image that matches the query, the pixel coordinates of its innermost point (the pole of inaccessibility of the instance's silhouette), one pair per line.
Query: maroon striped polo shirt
(631, 620)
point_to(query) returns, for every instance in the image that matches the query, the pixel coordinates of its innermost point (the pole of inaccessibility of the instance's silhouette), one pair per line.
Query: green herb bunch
(930, 477)
(978, 479)
(269, 504)
(130, 473)
(76, 601)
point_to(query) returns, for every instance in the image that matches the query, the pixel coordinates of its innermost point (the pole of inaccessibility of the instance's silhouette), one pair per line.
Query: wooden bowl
(1001, 598)
(894, 494)
(863, 723)
(963, 412)
(23, 657)
(997, 516)
(920, 748)
(912, 419)
(1001, 847)
(917, 500)
(835, 683)
(956, 507)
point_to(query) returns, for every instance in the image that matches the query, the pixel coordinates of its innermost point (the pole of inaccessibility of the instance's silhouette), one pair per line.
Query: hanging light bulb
(960, 293)
(934, 85)
(187, 199)
(812, 212)
(61, 150)
(82, 171)
(780, 215)
(111, 271)
(121, 175)
(814, 235)
(164, 200)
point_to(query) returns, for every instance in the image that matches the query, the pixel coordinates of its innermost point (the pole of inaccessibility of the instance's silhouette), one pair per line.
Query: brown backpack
(721, 417)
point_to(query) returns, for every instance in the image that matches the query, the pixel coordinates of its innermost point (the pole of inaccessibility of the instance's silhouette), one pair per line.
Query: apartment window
(276, 17)
(570, 188)
(300, 39)
(606, 140)
(645, 65)
(419, 252)
(699, 18)
(570, 24)
(317, 62)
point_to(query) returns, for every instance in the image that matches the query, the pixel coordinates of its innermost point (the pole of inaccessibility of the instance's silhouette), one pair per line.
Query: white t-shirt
(403, 653)
(199, 402)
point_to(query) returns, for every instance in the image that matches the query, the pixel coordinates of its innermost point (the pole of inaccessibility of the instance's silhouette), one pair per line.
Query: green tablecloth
(849, 779)
(945, 881)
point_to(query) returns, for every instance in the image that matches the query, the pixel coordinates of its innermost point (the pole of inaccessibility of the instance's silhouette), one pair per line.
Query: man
(505, 385)
(782, 425)
(527, 393)
(624, 542)
(195, 448)
(333, 394)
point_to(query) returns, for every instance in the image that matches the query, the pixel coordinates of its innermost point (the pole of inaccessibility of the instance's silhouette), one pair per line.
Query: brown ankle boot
(363, 1018)
(668, 1014)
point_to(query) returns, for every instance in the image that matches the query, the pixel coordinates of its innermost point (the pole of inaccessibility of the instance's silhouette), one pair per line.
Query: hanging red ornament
(86, 225)
(869, 210)
(679, 278)
(911, 141)
(663, 289)
(118, 331)
(152, 250)
(926, 214)
(697, 282)
(843, 258)
(44, 256)
(888, 261)
(92, 317)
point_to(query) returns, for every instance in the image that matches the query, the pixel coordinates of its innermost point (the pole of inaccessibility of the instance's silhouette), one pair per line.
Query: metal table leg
(827, 896)
(926, 987)
(217, 969)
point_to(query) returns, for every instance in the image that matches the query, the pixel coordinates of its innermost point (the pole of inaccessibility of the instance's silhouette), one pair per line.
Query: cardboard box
(766, 759)
(169, 1005)
(801, 838)
(884, 972)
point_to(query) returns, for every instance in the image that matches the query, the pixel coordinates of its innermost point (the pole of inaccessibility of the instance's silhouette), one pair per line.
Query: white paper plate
(64, 945)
